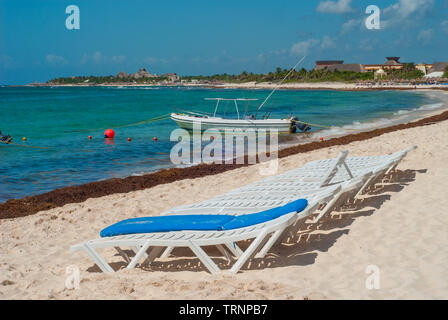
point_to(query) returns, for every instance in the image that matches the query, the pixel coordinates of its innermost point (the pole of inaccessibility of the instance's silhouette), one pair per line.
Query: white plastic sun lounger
(150, 245)
(294, 183)
(274, 192)
(340, 194)
(263, 197)
(361, 162)
(328, 170)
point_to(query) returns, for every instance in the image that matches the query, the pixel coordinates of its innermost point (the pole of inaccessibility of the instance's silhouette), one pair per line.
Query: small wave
(426, 107)
(133, 88)
(356, 126)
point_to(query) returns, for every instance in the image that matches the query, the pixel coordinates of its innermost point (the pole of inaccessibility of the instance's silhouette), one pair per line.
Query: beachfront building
(339, 65)
(437, 70)
(392, 63)
(142, 73)
(380, 73)
(320, 65)
(172, 77)
(424, 67)
(438, 67)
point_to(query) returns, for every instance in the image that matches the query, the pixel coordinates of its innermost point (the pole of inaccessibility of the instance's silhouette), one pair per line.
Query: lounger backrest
(340, 161)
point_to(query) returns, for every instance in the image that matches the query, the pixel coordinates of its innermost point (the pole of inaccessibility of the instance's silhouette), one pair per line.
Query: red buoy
(129, 139)
(155, 138)
(109, 133)
(90, 137)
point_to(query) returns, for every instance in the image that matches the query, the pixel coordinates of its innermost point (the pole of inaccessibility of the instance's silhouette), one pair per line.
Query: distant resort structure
(434, 70)
(142, 76)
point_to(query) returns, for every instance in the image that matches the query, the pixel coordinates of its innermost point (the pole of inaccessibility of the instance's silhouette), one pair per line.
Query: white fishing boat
(243, 121)
(188, 120)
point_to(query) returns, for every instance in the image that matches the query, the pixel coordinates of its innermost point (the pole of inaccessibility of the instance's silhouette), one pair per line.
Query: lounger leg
(392, 169)
(166, 253)
(123, 254)
(138, 255)
(329, 207)
(225, 253)
(347, 169)
(237, 252)
(272, 240)
(292, 230)
(249, 252)
(103, 265)
(136, 249)
(205, 259)
(152, 255)
(365, 186)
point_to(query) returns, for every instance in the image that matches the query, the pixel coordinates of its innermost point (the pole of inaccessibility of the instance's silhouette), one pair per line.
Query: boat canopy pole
(237, 111)
(216, 108)
(275, 89)
(235, 100)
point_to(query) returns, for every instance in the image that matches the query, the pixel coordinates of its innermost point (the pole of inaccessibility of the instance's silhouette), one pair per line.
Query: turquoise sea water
(61, 119)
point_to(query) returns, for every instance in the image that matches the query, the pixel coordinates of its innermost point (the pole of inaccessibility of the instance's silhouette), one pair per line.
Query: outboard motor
(296, 125)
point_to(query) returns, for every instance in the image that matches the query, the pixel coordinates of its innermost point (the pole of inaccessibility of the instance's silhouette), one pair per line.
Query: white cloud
(351, 24)
(444, 26)
(425, 36)
(327, 42)
(303, 47)
(405, 12)
(55, 60)
(97, 57)
(339, 6)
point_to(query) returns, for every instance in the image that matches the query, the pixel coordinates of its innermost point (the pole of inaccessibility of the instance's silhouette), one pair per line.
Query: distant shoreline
(338, 86)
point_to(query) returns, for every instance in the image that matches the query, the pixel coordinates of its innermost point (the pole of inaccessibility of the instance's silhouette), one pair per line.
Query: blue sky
(206, 37)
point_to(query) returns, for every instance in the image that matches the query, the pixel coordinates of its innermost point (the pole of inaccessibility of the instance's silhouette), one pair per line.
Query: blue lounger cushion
(263, 216)
(203, 222)
(166, 224)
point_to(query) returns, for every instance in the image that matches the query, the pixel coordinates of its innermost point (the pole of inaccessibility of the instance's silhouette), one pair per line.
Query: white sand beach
(402, 228)
(333, 85)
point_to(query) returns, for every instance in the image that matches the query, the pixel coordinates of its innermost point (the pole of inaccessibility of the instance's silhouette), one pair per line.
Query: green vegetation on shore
(408, 72)
(105, 80)
(301, 75)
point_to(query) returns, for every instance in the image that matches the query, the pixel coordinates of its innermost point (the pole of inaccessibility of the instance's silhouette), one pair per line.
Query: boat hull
(187, 122)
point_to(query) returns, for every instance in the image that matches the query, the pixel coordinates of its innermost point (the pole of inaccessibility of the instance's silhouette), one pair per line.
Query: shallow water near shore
(60, 119)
